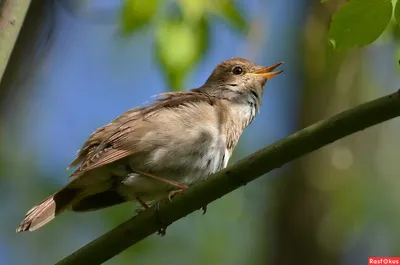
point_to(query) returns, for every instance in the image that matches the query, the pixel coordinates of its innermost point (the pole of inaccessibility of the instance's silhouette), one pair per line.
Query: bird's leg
(171, 182)
(181, 187)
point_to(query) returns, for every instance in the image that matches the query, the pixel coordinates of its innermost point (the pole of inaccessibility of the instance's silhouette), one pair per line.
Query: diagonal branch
(265, 160)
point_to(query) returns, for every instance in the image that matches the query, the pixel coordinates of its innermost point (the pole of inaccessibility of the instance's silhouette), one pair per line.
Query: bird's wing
(118, 139)
(89, 148)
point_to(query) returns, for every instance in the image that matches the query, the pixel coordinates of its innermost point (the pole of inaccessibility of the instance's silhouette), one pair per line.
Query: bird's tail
(45, 211)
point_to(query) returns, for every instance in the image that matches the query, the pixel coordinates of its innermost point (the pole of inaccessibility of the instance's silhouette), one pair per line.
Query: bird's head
(239, 78)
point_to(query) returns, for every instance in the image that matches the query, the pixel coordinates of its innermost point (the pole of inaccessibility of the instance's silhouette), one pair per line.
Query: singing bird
(154, 151)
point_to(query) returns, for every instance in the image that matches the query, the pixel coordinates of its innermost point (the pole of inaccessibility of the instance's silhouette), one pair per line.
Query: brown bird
(151, 152)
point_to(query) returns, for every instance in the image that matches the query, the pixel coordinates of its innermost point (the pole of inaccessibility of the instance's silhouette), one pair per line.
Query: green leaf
(179, 46)
(395, 32)
(193, 10)
(397, 12)
(230, 11)
(137, 13)
(359, 23)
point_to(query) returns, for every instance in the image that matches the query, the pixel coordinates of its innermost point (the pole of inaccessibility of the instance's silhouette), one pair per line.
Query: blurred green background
(79, 64)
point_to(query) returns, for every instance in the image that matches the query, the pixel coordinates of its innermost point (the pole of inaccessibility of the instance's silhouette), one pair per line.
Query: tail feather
(45, 211)
(69, 198)
(38, 215)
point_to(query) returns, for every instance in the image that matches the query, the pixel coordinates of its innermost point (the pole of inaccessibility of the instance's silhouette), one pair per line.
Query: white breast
(182, 147)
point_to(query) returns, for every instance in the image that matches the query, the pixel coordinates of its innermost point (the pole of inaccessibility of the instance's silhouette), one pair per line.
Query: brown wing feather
(101, 134)
(106, 157)
(114, 141)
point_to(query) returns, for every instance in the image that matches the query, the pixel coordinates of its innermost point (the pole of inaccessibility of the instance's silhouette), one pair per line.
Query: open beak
(267, 72)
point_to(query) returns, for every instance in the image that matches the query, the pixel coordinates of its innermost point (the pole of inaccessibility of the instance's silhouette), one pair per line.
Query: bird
(157, 150)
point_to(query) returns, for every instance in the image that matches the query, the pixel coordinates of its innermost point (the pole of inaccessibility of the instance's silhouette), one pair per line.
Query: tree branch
(235, 176)
(12, 14)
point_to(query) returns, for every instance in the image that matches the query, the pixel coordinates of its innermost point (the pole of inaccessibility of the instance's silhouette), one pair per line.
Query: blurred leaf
(179, 47)
(230, 11)
(397, 12)
(397, 58)
(359, 22)
(193, 10)
(225, 9)
(137, 13)
(396, 33)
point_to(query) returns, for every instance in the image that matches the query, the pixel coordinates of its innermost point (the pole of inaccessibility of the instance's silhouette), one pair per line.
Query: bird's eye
(237, 70)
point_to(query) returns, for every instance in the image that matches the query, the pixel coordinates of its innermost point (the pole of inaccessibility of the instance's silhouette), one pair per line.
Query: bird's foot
(174, 192)
(138, 211)
(144, 205)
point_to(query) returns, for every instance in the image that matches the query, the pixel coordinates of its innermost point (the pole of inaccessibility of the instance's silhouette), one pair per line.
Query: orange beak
(267, 72)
